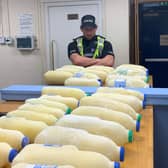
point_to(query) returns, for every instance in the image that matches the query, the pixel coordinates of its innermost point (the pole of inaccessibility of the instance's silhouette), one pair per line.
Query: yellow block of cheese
(134, 102)
(25, 165)
(7, 154)
(57, 77)
(110, 104)
(39, 108)
(50, 155)
(31, 115)
(101, 74)
(48, 103)
(106, 114)
(73, 67)
(101, 68)
(119, 134)
(67, 69)
(132, 66)
(115, 75)
(28, 127)
(14, 138)
(74, 81)
(69, 101)
(86, 75)
(130, 82)
(121, 91)
(63, 91)
(81, 139)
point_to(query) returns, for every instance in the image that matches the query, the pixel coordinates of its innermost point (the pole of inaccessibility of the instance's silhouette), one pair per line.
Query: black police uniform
(89, 47)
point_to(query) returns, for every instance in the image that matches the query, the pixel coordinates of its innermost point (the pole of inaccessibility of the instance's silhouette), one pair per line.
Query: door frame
(45, 5)
(135, 59)
(133, 32)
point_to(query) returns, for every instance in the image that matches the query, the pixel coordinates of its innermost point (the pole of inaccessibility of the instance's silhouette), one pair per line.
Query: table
(137, 154)
(154, 96)
(154, 124)
(8, 106)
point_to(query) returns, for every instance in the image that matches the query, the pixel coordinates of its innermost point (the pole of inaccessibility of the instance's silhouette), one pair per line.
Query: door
(154, 40)
(63, 25)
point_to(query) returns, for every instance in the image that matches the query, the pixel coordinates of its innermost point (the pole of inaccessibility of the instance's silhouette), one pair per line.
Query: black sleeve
(108, 49)
(72, 48)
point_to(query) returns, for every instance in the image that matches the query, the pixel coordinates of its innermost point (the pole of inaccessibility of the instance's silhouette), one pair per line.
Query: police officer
(90, 49)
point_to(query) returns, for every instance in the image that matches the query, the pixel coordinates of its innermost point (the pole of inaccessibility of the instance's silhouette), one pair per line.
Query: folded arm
(108, 60)
(82, 60)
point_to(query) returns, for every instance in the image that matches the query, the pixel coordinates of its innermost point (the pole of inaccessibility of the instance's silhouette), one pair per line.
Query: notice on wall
(26, 24)
(1, 28)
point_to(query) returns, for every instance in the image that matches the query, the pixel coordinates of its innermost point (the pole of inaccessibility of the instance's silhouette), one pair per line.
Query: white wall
(19, 67)
(27, 67)
(117, 28)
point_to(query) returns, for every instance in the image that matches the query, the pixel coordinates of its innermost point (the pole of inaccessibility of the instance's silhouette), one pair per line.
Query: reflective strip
(80, 46)
(99, 48)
